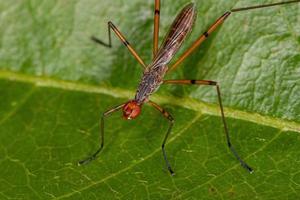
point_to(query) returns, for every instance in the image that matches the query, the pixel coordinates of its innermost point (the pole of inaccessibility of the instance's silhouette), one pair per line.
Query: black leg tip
(93, 38)
(82, 162)
(249, 169)
(86, 161)
(171, 171)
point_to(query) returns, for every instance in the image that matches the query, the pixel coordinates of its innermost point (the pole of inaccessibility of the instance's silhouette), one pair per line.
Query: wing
(178, 31)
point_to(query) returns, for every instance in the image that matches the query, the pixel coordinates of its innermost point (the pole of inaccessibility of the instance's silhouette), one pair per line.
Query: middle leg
(171, 122)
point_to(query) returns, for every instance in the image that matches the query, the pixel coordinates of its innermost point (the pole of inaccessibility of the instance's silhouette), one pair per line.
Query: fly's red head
(131, 110)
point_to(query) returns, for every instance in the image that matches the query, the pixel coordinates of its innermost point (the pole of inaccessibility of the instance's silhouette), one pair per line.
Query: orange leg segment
(111, 26)
(156, 27)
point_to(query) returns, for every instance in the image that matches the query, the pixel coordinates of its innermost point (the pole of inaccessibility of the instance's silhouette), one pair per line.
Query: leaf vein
(191, 122)
(186, 102)
(234, 166)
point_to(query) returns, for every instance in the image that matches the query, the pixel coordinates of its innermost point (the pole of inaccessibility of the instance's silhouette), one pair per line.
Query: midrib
(188, 103)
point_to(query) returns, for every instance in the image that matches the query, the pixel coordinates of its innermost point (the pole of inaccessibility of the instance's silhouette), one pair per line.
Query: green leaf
(55, 83)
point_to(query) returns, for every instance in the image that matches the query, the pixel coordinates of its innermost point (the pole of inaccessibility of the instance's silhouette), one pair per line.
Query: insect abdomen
(178, 31)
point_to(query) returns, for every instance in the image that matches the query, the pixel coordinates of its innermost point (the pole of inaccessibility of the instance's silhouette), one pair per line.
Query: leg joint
(214, 83)
(226, 14)
(110, 23)
(206, 34)
(170, 118)
(126, 43)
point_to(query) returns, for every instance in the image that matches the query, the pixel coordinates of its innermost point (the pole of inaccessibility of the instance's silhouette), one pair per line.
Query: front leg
(213, 83)
(171, 123)
(104, 115)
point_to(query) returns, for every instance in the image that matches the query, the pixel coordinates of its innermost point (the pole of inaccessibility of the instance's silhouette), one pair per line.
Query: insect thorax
(150, 82)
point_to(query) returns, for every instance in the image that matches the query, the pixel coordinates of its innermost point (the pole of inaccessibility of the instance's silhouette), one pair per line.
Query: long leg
(213, 83)
(111, 26)
(104, 115)
(215, 25)
(171, 123)
(156, 27)
(199, 41)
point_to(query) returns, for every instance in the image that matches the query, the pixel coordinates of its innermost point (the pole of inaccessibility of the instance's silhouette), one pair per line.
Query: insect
(153, 74)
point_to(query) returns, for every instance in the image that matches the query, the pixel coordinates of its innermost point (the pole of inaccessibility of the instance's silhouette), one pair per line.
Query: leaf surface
(55, 83)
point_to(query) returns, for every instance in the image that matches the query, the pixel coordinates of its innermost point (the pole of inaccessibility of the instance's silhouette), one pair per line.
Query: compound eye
(131, 110)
